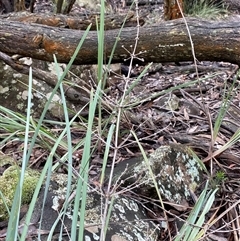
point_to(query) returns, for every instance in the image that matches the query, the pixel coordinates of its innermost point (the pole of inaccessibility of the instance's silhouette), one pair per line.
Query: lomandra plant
(193, 228)
(12, 233)
(33, 131)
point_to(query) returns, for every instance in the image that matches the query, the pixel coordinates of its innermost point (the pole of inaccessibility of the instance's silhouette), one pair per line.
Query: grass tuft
(204, 8)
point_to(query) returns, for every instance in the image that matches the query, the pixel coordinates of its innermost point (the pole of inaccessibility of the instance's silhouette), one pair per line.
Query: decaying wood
(79, 22)
(167, 41)
(173, 9)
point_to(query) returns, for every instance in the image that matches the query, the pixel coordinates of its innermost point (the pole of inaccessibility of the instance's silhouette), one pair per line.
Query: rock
(14, 91)
(176, 171)
(175, 168)
(128, 219)
(14, 88)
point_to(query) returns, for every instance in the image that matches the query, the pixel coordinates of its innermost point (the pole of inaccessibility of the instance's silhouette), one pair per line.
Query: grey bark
(167, 41)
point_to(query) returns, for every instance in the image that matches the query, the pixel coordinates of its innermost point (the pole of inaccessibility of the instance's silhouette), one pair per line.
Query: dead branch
(165, 42)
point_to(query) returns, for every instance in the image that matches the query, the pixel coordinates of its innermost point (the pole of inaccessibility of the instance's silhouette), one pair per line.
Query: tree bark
(173, 9)
(165, 42)
(80, 22)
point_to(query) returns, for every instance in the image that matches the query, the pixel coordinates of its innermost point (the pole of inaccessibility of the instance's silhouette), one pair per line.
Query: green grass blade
(190, 229)
(81, 190)
(187, 227)
(15, 210)
(195, 234)
(106, 152)
(227, 96)
(56, 88)
(37, 130)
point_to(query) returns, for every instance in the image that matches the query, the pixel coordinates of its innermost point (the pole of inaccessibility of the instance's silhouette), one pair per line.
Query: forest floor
(176, 103)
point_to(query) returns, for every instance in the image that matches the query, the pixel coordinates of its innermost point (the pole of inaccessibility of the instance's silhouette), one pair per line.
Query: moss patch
(8, 183)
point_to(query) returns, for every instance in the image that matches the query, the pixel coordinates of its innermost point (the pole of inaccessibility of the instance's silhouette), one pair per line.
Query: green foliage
(220, 176)
(193, 229)
(204, 8)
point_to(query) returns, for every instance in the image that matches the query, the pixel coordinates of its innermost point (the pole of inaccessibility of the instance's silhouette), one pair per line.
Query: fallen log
(80, 22)
(165, 42)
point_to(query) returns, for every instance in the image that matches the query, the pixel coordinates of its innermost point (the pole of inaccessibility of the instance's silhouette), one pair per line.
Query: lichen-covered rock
(14, 92)
(175, 169)
(128, 219)
(9, 181)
